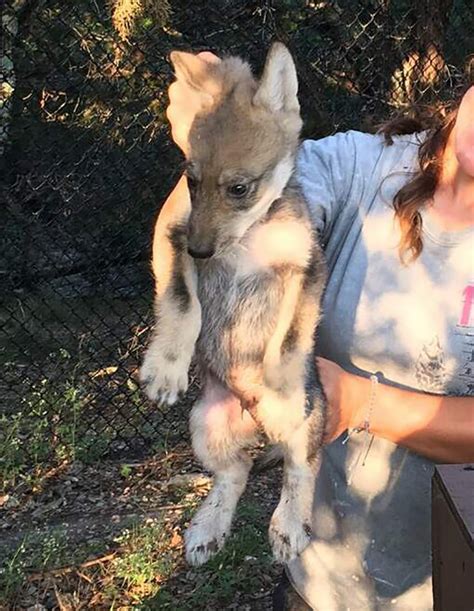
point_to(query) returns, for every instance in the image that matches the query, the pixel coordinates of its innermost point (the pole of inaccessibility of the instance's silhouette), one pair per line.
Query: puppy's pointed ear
(196, 72)
(278, 87)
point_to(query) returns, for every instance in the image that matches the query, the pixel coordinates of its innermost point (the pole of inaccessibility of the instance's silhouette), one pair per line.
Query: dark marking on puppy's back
(295, 198)
(315, 271)
(180, 290)
(289, 205)
(278, 206)
(178, 238)
(315, 409)
(290, 340)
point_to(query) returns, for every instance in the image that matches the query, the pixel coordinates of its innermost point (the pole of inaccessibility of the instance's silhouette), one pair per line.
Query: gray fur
(247, 136)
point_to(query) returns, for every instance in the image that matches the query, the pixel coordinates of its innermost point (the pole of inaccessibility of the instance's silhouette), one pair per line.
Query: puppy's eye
(237, 190)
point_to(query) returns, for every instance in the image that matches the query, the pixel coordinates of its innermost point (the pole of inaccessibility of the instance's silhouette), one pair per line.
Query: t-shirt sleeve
(330, 170)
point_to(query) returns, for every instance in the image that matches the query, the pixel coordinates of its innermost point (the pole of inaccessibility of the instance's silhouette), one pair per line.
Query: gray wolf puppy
(239, 276)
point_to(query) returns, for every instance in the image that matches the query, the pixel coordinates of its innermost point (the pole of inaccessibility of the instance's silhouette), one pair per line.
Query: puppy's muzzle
(200, 254)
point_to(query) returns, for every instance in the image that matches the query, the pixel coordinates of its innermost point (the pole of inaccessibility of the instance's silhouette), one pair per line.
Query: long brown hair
(420, 189)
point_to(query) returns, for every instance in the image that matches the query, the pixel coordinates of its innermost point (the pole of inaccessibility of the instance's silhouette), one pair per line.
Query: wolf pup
(239, 276)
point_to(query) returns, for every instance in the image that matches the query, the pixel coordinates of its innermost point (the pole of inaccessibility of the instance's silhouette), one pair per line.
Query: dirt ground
(109, 536)
(97, 485)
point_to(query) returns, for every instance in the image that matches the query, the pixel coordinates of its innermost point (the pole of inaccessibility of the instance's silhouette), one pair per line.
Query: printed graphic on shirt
(467, 311)
(430, 369)
(465, 375)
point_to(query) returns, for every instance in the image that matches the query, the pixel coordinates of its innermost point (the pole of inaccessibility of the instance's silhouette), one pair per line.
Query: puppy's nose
(200, 254)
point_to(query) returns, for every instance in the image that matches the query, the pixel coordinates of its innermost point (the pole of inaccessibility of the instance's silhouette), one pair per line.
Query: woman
(396, 215)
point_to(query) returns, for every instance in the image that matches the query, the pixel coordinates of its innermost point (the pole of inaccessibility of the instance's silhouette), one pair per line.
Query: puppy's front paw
(164, 378)
(289, 535)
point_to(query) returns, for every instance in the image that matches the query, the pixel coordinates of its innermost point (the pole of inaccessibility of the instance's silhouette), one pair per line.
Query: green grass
(141, 567)
(135, 563)
(45, 432)
(239, 567)
(44, 428)
(12, 574)
(37, 554)
(143, 562)
(56, 420)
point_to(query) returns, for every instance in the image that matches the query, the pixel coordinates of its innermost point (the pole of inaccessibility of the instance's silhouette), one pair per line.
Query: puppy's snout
(200, 254)
(201, 233)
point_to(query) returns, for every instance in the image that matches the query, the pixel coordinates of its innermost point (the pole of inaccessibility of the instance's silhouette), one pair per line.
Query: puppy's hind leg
(220, 431)
(290, 526)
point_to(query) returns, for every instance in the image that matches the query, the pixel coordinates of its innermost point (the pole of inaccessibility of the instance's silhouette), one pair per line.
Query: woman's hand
(436, 426)
(185, 103)
(345, 393)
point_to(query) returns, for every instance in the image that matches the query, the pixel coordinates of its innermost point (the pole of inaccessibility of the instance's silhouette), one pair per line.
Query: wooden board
(453, 537)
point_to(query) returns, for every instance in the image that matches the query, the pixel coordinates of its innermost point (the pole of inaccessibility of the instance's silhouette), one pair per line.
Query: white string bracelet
(364, 427)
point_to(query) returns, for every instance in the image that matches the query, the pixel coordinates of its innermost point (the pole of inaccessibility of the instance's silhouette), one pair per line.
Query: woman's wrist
(358, 395)
(436, 426)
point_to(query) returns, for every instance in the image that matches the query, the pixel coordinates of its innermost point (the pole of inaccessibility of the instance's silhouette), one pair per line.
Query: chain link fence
(86, 160)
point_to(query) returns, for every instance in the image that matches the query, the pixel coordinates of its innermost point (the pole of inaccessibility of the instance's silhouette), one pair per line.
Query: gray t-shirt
(415, 325)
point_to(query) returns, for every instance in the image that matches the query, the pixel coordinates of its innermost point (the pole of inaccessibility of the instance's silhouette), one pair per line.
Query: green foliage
(143, 562)
(45, 426)
(39, 553)
(239, 567)
(131, 16)
(142, 566)
(12, 574)
(47, 430)
(234, 568)
(125, 471)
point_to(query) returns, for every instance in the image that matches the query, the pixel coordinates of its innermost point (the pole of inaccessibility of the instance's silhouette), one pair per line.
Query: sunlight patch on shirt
(462, 259)
(333, 563)
(380, 235)
(368, 468)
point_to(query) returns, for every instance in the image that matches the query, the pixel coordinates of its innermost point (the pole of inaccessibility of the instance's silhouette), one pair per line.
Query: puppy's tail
(269, 459)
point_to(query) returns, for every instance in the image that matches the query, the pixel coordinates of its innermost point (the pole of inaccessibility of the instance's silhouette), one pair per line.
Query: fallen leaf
(4, 498)
(105, 371)
(189, 480)
(176, 540)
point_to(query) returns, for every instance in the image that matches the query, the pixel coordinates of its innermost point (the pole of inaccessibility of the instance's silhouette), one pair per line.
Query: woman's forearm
(440, 428)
